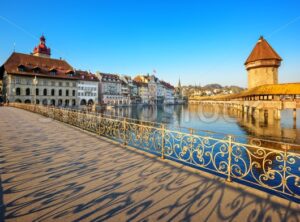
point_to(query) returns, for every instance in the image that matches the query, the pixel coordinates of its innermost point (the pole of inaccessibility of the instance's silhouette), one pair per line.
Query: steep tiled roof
(32, 63)
(167, 85)
(85, 75)
(107, 77)
(262, 51)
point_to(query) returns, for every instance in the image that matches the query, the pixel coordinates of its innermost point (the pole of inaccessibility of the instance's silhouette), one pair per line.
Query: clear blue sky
(200, 41)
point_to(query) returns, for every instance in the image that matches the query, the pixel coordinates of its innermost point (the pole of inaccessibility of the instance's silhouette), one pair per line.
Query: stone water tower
(262, 65)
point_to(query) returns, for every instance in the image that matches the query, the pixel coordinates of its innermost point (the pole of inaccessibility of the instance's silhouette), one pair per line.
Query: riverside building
(39, 79)
(110, 89)
(87, 88)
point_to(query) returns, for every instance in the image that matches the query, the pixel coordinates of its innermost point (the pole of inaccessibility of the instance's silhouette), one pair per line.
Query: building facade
(168, 93)
(39, 79)
(262, 65)
(143, 93)
(110, 89)
(87, 88)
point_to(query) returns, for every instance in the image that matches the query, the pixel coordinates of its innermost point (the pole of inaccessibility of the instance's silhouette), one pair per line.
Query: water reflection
(216, 119)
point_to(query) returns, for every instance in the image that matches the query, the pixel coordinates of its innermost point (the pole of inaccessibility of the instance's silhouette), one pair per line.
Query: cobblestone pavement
(53, 172)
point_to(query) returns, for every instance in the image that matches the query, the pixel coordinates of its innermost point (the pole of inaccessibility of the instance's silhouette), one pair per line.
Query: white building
(168, 93)
(110, 89)
(125, 89)
(87, 88)
(143, 92)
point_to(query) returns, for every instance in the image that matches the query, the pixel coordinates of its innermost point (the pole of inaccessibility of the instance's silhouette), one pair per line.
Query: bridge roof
(274, 89)
(271, 89)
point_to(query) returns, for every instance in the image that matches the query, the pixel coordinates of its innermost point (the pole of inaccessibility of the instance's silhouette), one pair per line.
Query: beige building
(39, 79)
(262, 65)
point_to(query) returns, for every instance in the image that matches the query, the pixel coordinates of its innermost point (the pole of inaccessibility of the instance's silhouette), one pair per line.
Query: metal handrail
(267, 168)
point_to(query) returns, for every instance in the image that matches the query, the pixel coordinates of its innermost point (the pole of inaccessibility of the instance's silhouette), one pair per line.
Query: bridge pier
(261, 115)
(256, 113)
(294, 114)
(277, 114)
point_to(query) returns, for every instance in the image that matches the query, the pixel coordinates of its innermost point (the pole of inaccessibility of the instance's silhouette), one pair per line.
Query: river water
(216, 119)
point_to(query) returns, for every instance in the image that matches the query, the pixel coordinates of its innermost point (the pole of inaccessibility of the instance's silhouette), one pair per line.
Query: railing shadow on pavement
(256, 163)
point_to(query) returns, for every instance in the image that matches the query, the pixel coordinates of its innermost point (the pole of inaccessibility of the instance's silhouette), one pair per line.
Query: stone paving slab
(54, 172)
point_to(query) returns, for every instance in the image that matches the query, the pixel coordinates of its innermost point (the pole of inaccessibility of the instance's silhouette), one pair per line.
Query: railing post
(229, 159)
(163, 141)
(285, 147)
(124, 127)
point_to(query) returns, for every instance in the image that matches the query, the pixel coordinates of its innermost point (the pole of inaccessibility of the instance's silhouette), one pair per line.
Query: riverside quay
(83, 166)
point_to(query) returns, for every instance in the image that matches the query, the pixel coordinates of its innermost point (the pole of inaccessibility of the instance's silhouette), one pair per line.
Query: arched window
(83, 102)
(67, 102)
(60, 92)
(18, 91)
(37, 91)
(27, 92)
(73, 93)
(73, 102)
(52, 92)
(67, 92)
(90, 102)
(52, 102)
(45, 92)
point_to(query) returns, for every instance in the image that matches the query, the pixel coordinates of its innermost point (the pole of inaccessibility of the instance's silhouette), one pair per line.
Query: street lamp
(35, 82)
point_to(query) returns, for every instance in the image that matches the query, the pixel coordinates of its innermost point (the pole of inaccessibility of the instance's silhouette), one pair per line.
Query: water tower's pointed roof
(262, 51)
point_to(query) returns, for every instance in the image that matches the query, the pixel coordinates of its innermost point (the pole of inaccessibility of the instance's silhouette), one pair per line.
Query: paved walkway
(54, 172)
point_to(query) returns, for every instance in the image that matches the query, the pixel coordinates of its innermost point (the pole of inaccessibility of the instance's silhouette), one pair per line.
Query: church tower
(262, 65)
(42, 50)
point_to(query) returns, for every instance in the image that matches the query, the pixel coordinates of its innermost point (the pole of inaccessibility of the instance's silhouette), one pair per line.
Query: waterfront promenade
(54, 172)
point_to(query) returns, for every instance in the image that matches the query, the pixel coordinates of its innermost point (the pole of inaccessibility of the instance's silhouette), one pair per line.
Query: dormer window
(36, 69)
(70, 73)
(53, 72)
(21, 68)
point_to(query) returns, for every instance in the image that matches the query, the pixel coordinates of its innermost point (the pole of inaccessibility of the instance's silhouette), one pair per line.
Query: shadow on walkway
(51, 171)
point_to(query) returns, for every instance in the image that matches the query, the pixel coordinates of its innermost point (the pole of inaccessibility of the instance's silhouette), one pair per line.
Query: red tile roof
(85, 75)
(167, 85)
(107, 77)
(42, 64)
(262, 51)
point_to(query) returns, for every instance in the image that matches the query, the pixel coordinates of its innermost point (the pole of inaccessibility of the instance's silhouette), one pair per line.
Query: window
(52, 92)
(21, 69)
(53, 72)
(73, 102)
(60, 92)
(37, 91)
(18, 91)
(27, 92)
(52, 83)
(67, 84)
(67, 92)
(36, 70)
(18, 80)
(60, 83)
(74, 84)
(73, 93)
(45, 92)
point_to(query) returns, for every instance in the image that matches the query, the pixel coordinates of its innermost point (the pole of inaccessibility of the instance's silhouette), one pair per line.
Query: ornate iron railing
(257, 163)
